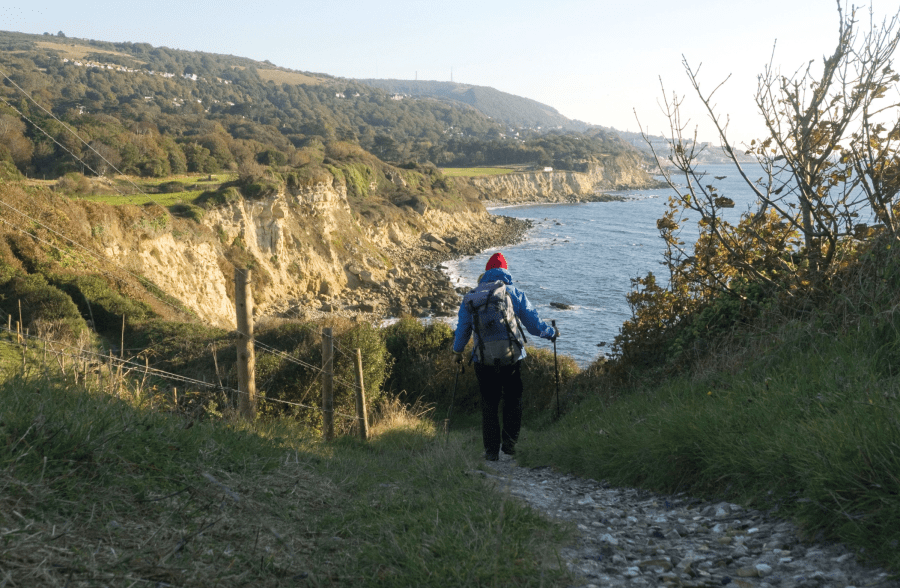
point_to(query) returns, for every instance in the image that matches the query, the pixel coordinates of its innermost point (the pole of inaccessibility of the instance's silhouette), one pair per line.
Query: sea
(585, 256)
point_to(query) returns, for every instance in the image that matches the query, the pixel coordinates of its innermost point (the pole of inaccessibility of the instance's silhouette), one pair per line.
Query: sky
(593, 60)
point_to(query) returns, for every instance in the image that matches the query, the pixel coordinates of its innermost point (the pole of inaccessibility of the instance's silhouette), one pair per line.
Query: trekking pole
(555, 367)
(461, 369)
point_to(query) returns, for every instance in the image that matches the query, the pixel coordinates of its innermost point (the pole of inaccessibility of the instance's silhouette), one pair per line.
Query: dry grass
(393, 414)
(223, 529)
(75, 51)
(280, 76)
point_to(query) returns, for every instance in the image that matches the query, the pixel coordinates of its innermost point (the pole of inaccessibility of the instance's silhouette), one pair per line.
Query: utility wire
(101, 270)
(77, 136)
(6, 77)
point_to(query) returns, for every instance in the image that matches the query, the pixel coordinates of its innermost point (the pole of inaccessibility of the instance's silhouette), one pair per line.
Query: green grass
(205, 179)
(115, 486)
(468, 172)
(142, 199)
(795, 418)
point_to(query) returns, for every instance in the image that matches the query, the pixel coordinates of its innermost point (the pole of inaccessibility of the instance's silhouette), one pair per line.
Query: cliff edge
(627, 171)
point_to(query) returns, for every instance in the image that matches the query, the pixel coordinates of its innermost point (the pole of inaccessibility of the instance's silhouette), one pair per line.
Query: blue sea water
(585, 255)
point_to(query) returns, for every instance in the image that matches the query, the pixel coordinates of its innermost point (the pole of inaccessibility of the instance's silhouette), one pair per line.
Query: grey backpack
(499, 338)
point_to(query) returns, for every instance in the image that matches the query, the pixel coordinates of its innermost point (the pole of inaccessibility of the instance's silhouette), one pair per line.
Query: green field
(143, 191)
(471, 172)
(142, 199)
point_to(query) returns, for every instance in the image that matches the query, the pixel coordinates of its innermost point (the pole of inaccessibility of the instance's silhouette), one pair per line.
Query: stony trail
(630, 537)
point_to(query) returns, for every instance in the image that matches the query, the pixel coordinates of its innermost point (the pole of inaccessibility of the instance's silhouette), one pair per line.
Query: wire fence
(143, 369)
(259, 345)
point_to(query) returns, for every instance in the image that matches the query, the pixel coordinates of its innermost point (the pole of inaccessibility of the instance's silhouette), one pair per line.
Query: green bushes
(73, 183)
(222, 196)
(95, 298)
(260, 188)
(171, 187)
(307, 177)
(423, 366)
(189, 211)
(298, 380)
(539, 381)
(43, 306)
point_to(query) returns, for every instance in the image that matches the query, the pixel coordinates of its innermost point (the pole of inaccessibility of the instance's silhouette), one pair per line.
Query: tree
(826, 163)
(13, 142)
(102, 158)
(386, 148)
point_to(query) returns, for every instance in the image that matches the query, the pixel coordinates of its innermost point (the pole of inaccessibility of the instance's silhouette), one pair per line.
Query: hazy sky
(593, 60)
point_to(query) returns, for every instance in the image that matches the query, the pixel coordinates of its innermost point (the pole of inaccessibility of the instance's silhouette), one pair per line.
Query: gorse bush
(40, 303)
(103, 304)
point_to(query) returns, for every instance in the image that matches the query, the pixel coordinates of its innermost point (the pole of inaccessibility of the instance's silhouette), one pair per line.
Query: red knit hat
(496, 260)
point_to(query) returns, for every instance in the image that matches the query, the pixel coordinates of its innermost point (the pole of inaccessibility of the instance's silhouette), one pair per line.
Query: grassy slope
(798, 415)
(468, 172)
(99, 488)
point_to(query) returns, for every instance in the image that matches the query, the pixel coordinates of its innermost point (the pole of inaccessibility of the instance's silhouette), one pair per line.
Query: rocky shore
(417, 284)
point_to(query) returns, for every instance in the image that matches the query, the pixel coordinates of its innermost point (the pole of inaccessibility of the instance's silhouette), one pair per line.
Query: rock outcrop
(621, 172)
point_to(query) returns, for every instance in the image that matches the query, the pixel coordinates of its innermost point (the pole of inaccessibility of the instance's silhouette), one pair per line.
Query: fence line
(300, 362)
(155, 372)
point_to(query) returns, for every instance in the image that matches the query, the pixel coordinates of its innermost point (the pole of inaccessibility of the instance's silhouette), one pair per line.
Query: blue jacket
(524, 310)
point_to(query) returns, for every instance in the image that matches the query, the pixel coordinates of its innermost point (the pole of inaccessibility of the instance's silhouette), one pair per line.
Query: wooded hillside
(156, 111)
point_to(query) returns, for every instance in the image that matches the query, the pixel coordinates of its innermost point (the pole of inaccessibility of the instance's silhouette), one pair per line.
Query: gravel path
(629, 537)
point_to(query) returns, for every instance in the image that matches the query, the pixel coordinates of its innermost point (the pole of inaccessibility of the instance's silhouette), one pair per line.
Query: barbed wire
(149, 371)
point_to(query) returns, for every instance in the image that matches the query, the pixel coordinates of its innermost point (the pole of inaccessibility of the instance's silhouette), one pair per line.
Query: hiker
(495, 311)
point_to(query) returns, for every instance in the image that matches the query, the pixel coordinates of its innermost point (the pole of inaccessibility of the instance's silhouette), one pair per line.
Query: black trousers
(496, 384)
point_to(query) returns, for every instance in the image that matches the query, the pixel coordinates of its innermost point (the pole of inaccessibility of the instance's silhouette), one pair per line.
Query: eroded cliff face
(305, 247)
(620, 172)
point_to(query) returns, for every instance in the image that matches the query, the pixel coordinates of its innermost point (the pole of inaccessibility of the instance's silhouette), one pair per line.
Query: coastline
(426, 289)
(491, 205)
(423, 288)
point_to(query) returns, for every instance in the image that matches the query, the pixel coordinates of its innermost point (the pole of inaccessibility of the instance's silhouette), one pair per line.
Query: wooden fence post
(246, 358)
(361, 417)
(327, 384)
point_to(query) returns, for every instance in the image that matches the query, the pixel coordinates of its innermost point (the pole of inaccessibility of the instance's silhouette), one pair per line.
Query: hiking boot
(488, 456)
(509, 449)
